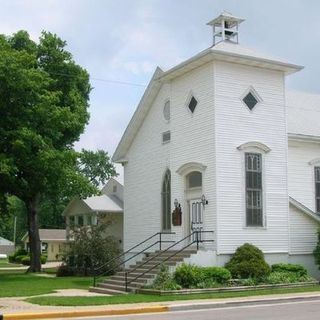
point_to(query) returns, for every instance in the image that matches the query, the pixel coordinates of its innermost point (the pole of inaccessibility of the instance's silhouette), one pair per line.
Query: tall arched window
(166, 201)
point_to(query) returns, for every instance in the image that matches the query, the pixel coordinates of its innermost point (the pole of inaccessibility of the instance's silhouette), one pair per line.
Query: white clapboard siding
(235, 124)
(193, 140)
(148, 159)
(303, 232)
(301, 172)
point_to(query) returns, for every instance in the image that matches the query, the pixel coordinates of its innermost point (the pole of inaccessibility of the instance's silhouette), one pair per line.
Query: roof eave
(303, 137)
(219, 55)
(304, 209)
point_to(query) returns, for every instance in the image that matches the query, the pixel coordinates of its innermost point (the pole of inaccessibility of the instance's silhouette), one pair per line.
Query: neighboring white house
(221, 136)
(6, 247)
(109, 206)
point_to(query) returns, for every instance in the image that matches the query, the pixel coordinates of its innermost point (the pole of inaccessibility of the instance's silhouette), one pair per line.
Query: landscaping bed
(228, 289)
(247, 270)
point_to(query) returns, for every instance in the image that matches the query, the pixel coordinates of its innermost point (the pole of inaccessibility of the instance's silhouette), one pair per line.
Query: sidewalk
(15, 308)
(44, 266)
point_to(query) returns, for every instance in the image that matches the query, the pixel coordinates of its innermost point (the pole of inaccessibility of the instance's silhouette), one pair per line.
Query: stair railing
(98, 273)
(196, 237)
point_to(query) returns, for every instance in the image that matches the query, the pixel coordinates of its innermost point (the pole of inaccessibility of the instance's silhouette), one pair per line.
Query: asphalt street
(305, 310)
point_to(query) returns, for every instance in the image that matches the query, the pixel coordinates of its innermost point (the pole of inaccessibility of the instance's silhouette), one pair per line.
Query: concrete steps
(140, 272)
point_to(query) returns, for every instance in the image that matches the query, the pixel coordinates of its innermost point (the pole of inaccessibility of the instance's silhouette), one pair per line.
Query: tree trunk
(32, 205)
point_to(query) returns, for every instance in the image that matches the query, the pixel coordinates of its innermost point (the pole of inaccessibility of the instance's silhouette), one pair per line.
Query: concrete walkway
(53, 264)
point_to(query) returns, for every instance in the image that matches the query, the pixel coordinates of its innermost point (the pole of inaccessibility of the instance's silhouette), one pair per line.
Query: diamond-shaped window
(250, 100)
(192, 104)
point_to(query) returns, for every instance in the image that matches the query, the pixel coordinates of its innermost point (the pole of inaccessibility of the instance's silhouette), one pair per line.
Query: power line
(100, 79)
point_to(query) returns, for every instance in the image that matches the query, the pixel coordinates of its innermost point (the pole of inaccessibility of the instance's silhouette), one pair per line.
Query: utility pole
(14, 230)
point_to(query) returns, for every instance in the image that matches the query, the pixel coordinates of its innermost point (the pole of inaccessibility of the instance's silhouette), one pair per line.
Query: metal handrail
(160, 241)
(197, 240)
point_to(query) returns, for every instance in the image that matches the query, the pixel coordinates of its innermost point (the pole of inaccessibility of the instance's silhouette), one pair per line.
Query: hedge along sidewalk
(143, 298)
(228, 289)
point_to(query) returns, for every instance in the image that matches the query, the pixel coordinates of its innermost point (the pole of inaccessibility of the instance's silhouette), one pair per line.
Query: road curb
(84, 313)
(228, 304)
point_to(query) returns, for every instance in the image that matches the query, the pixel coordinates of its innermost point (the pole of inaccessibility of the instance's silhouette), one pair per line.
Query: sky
(125, 40)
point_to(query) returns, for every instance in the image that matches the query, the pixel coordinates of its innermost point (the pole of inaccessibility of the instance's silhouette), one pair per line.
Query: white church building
(219, 140)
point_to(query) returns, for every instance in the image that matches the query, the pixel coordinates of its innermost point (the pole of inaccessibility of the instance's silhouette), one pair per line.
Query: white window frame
(189, 97)
(260, 148)
(255, 94)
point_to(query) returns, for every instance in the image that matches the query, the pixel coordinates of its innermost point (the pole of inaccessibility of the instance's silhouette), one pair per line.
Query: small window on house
(71, 221)
(317, 189)
(166, 137)
(166, 110)
(254, 205)
(80, 221)
(250, 100)
(192, 104)
(194, 179)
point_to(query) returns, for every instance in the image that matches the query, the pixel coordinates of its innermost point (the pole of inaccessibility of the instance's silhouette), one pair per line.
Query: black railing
(106, 268)
(196, 237)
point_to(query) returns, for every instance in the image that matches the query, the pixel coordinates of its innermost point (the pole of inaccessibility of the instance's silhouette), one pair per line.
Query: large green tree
(44, 98)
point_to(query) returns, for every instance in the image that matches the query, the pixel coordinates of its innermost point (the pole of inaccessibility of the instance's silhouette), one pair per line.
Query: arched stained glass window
(166, 201)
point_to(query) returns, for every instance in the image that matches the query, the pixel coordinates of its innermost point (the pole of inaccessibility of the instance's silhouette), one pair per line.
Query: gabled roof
(304, 209)
(303, 113)
(104, 203)
(50, 234)
(223, 51)
(5, 242)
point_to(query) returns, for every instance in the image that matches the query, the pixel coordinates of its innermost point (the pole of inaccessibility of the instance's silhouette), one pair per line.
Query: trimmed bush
(289, 267)
(25, 260)
(188, 275)
(43, 259)
(216, 274)
(164, 280)
(11, 259)
(64, 271)
(20, 252)
(248, 262)
(18, 259)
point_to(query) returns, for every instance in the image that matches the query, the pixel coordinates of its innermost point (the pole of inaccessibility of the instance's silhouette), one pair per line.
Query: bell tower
(225, 27)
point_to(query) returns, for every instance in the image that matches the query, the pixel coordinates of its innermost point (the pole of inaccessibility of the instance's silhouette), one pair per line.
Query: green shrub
(249, 282)
(316, 251)
(43, 259)
(64, 271)
(11, 259)
(164, 280)
(248, 262)
(188, 275)
(25, 260)
(215, 274)
(20, 252)
(18, 259)
(282, 277)
(289, 267)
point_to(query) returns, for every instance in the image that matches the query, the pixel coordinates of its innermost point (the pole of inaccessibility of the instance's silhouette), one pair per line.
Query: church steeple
(225, 27)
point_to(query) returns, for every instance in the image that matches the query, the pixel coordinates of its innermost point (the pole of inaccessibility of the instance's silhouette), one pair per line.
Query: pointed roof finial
(225, 26)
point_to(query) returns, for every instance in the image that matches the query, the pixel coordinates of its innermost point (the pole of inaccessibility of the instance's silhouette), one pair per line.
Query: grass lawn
(21, 284)
(4, 263)
(135, 298)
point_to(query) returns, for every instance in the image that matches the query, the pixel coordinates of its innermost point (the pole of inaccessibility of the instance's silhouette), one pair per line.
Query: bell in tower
(225, 27)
